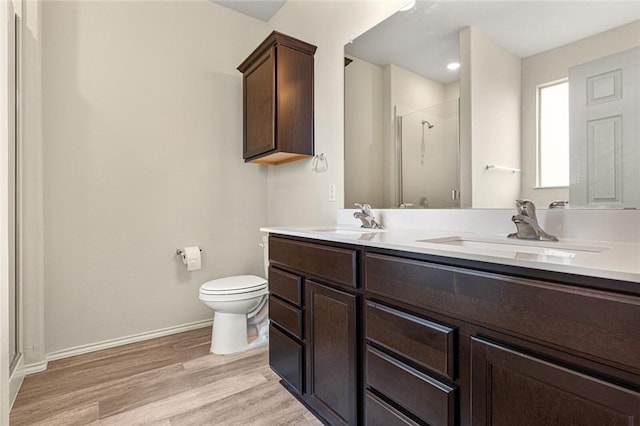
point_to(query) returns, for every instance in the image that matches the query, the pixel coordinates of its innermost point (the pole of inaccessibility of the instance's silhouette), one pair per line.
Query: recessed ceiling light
(453, 66)
(408, 6)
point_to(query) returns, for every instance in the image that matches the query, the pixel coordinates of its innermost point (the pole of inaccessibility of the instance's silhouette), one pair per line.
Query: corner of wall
(466, 187)
(32, 229)
(5, 15)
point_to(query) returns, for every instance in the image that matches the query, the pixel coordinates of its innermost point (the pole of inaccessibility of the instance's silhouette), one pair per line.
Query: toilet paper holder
(180, 252)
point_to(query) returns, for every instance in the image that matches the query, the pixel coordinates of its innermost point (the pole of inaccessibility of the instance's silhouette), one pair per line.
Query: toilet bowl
(236, 300)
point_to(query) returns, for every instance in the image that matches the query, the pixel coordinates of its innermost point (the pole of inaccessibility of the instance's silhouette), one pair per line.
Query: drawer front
(585, 321)
(286, 316)
(286, 358)
(286, 286)
(427, 343)
(380, 413)
(331, 264)
(427, 398)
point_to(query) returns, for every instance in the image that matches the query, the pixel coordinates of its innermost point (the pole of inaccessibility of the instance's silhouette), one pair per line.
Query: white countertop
(604, 259)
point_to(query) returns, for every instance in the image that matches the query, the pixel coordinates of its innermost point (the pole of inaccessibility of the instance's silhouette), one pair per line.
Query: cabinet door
(285, 358)
(512, 388)
(259, 106)
(332, 361)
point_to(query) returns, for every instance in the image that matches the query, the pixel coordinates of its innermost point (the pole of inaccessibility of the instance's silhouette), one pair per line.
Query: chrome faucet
(527, 223)
(367, 218)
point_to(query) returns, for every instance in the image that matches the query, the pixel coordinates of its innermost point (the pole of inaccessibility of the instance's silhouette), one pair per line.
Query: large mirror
(541, 106)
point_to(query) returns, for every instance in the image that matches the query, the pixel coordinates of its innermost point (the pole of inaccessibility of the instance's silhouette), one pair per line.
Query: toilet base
(229, 333)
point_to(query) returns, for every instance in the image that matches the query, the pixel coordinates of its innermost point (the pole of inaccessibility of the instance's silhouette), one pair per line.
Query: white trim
(551, 187)
(17, 375)
(6, 13)
(15, 380)
(36, 367)
(111, 343)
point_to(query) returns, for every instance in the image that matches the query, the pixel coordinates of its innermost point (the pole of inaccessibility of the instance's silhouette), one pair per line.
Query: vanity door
(332, 353)
(510, 387)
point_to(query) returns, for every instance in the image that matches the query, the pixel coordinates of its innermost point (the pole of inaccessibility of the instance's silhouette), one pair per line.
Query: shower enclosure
(427, 157)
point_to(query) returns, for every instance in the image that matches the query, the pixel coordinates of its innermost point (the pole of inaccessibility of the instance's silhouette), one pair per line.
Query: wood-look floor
(171, 380)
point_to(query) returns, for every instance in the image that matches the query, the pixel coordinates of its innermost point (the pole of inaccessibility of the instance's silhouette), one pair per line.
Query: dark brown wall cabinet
(278, 101)
(393, 338)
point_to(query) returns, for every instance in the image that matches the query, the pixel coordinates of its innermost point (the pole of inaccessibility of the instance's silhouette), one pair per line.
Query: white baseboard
(15, 380)
(111, 343)
(36, 367)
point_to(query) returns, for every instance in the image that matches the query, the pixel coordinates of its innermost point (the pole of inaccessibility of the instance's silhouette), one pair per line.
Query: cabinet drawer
(427, 398)
(337, 265)
(380, 413)
(588, 322)
(427, 343)
(286, 286)
(286, 316)
(285, 358)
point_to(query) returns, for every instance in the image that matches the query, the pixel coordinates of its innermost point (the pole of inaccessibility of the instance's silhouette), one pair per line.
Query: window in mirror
(553, 134)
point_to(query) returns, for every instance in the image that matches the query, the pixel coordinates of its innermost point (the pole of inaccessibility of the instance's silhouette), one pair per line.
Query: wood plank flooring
(171, 380)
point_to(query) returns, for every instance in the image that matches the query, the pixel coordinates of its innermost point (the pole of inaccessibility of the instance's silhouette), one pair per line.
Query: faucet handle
(559, 204)
(364, 207)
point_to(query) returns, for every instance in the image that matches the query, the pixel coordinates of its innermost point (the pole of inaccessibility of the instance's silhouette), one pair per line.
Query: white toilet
(238, 301)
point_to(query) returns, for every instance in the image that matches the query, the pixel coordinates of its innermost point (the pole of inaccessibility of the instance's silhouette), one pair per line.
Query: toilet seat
(231, 297)
(239, 284)
(229, 289)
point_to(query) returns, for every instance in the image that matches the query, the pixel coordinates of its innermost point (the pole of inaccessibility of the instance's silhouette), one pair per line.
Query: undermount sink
(343, 231)
(518, 247)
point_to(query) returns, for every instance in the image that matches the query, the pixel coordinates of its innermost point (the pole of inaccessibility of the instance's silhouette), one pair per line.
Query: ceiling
(425, 38)
(260, 9)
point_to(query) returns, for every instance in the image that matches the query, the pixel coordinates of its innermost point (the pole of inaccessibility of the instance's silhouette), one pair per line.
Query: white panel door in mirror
(605, 131)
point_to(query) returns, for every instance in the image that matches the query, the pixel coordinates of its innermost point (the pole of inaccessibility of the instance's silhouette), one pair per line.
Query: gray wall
(143, 154)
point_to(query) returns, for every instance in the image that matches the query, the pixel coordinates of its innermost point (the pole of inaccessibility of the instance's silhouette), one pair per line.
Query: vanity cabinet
(499, 348)
(402, 338)
(314, 306)
(278, 101)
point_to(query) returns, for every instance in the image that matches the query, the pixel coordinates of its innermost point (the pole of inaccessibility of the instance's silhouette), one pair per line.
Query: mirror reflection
(489, 137)
(428, 143)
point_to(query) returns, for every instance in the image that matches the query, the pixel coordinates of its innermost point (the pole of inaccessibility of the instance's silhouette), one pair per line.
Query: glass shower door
(429, 147)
